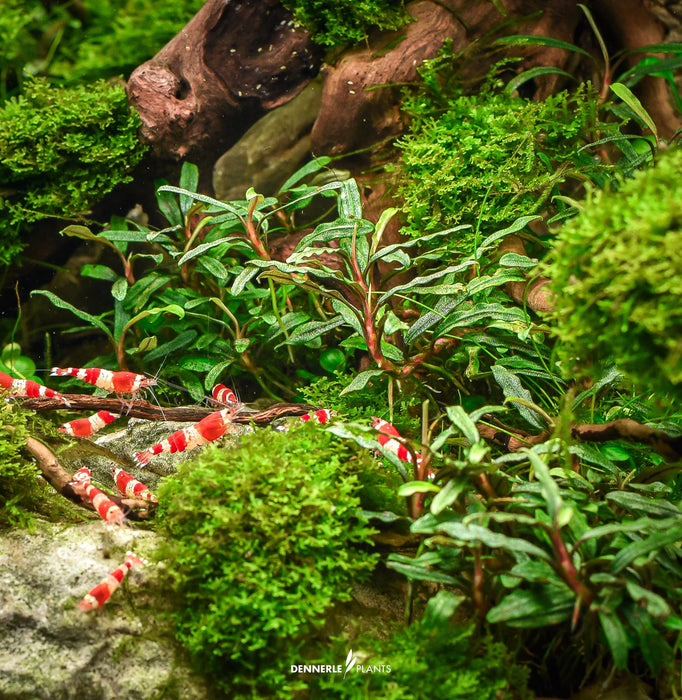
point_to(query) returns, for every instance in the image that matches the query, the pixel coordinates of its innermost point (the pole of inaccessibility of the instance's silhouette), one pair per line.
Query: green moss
(487, 159)
(264, 541)
(435, 660)
(23, 494)
(339, 22)
(617, 272)
(62, 149)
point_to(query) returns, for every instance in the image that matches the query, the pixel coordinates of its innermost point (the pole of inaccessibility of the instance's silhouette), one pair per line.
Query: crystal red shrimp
(323, 415)
(101, 593)
(117, 382)
(109, 511)
(85, 427)
(387, 439)
(27, 388)
(206, 430)
(224, 395)
(129, 486)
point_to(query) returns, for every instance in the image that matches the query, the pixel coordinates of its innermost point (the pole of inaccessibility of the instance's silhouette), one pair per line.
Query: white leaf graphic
(350, 662)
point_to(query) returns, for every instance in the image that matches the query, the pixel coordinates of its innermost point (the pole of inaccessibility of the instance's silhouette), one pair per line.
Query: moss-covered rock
(617, 275)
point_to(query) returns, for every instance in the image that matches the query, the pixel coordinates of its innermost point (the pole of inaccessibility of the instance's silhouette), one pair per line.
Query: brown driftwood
(233, 61)
(513, 439)
(138, 408)
(534, 293)
(61, 481)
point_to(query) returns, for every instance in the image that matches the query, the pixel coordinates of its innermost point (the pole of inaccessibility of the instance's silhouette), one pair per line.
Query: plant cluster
(61, 150)
(554, 538)
(262, 541)
(335, 23)
(617, 270)
(434, 657)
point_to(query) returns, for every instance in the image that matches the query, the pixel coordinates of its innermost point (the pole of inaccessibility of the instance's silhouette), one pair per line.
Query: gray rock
(50, 649)
(270, 150)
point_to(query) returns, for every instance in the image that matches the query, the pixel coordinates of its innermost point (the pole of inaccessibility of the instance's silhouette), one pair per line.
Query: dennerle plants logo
(350, 664)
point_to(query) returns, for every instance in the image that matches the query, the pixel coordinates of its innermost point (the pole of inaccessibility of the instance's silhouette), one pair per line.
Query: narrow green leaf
(61, 304)
(181, 341)
(531, 40)
(350, 202)
(242, 279)
(521, 78)
(223, 206)
(214, 267)
(418, 573)
(309, 168)
(635, 105)
(349, 315)
(448, 495)
(550, 490)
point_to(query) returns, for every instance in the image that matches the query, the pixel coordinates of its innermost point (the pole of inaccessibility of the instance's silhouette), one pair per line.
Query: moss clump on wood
(617, 275)
(264, 540)
(61, 150)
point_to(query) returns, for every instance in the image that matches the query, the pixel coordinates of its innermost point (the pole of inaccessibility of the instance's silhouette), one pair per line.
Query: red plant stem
(253, 236)
(568, 571)
(477, 586)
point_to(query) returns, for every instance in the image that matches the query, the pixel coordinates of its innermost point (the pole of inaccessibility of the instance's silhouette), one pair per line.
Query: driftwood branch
(139, 408)
(513, 439)
(62, 481)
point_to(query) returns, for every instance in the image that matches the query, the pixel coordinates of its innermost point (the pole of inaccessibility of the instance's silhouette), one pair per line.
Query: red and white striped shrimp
(117, 382)
(387, 439)
(101, 593)
(27, 388)
(129, 486)
(85, 427)
(105, 507)
(224, 395)
(323, 415)
(206, 430)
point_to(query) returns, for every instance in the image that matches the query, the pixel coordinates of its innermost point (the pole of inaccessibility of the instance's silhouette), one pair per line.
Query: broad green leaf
(169, 206)
(421, 281)
(654, 542)
(513, 388)
(379, 229)
(477, 533)
(639, 525)
(242, 279)
(440, 609)
(61, 304)
(314, 329)
(616, 638)
(124, 236)
(474, 314)
(341, 228)
(349, 316)
(78, 231)
(392, 324)
(459, 417)
(412, 487)
(550, 490)
(350, 202)
(518, 261)
(181, 341)
(189, 180)
(360, 380)
(448, 495)
(643, 505)
(443, 307)
(655, 604)
(214, 267)
(99, 272)
(538, 606)
(119, 289)
(223, 206)
(407, 567)
(213, 375)
(519, 224)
